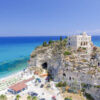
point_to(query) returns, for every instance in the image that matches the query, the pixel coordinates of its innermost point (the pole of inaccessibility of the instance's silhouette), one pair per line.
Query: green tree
(89, 97)
(50, 42)
(29, 97)
(18, 97)
(60, 38)
(45, 44)
(3, 97)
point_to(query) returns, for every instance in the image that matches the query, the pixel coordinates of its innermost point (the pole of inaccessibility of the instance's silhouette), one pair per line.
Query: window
(81, 43)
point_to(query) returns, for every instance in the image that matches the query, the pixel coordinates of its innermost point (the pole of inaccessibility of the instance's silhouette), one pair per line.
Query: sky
(49, 17)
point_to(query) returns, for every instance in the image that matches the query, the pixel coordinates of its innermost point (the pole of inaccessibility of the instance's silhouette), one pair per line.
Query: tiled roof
(18, 86)
(21, 85)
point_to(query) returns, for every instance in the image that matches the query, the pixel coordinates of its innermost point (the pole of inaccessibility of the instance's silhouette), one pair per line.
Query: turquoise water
(13, 58)
(15, 51)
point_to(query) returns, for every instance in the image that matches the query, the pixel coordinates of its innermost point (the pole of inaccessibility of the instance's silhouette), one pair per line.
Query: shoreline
(13, 67)
(11, 75)
(7, 81)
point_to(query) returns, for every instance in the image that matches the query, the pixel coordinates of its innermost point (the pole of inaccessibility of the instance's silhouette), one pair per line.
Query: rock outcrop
(65, 64)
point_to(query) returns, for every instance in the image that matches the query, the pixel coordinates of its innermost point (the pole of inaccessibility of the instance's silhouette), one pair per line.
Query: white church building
(83, 40)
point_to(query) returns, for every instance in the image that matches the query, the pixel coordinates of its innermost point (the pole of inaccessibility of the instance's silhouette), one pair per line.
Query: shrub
(97, 86)
(84, 48)
(61, 84)
(3, 97)
(18, 97)
(45, 44)
(29, 97)
(67, 53)
(50, 42)
(34, 98)
(83, 90)
(88, 96)
(84, 85)
(66, 98)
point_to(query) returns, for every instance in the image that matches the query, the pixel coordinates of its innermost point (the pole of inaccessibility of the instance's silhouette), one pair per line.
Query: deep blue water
(15, 51)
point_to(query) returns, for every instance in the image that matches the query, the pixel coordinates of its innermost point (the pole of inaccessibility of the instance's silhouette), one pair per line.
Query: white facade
(82, 40)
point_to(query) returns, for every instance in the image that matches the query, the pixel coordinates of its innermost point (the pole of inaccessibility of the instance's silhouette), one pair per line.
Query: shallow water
(15, 52)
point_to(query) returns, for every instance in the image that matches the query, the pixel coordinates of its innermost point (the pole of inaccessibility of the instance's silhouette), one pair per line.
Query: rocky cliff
(65, 64)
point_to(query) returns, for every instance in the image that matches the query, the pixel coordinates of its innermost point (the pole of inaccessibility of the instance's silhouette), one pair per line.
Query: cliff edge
(66, 64)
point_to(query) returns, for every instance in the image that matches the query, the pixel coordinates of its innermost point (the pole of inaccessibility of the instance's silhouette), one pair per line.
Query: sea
(15, 51)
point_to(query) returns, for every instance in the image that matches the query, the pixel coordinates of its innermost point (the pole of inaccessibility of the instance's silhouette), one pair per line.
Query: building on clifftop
(80, 41)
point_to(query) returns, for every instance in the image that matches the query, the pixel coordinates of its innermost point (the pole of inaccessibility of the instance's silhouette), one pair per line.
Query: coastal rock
(54, 60)
(75, 67)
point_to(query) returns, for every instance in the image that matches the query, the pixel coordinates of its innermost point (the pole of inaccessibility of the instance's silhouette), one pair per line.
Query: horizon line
(40, 35)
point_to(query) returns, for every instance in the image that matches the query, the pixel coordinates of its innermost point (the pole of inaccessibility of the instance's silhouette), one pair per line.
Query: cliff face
(65, 64)
(49, 58)
(62, 65)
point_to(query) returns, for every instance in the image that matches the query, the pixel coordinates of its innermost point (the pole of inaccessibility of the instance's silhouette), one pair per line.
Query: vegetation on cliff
(56, 46)
(66, 64)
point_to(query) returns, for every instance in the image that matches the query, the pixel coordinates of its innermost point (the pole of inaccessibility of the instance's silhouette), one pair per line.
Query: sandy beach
(6, 82)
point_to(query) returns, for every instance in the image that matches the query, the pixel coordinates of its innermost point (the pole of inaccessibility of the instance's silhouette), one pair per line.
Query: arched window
(81, 43)
(84, 43)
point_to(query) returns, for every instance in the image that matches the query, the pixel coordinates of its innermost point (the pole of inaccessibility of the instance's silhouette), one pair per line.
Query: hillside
(67, 65)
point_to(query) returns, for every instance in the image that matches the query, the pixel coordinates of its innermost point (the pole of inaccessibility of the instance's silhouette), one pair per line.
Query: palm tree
(3, 97)
(17, 97)
(29, 97)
